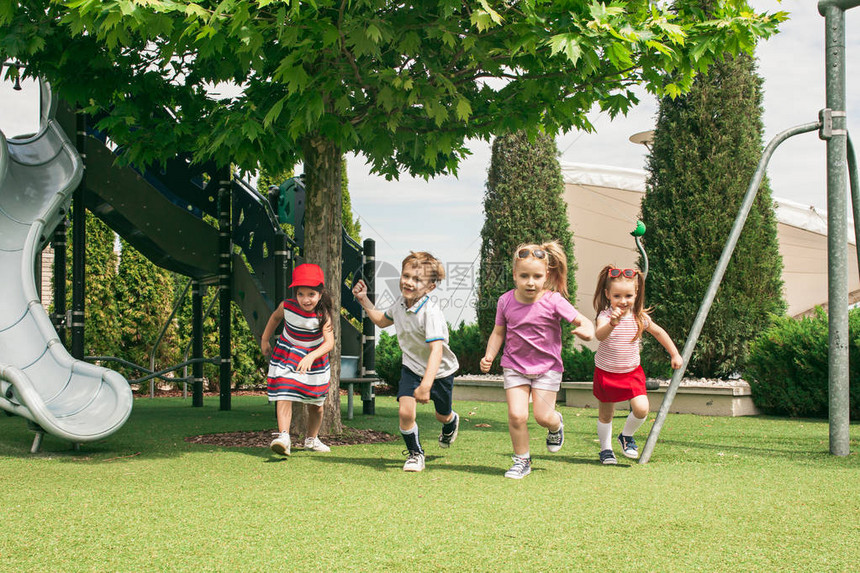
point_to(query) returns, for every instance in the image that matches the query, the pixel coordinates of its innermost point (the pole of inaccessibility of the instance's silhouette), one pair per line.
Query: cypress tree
(707, 145)
(523, 203)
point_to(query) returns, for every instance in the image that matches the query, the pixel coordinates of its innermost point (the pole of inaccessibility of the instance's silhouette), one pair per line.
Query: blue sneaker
(628, 446)
(554, 440)
(521, 468)
(607, 458)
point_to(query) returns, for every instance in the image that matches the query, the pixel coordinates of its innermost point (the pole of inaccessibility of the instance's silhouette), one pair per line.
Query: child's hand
(677, 361)
(266, 347)
(304, 364)
(617, 313)
(422, 395)
(359, 291)
(486, 364)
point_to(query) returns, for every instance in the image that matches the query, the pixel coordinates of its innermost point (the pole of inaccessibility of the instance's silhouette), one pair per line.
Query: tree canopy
(404, 84)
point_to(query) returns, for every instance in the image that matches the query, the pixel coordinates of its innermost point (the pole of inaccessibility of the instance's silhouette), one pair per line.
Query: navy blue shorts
(442, 392)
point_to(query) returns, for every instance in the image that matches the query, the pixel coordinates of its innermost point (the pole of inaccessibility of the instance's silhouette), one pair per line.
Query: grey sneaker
(281, 444)
(554, 440)
(445, 439)
(607, 458)
(628, 446)
(414, 463)
(316, 445)
(521, 468)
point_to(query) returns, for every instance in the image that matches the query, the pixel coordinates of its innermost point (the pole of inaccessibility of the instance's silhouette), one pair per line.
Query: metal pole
(79, 240)
(60, 275)
(225, 250)
(197, 344)
(837, 228)
(716, 279)
(855, 193)
(368, 330)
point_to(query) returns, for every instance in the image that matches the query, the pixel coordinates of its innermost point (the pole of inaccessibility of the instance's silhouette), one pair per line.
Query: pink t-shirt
(533, 332)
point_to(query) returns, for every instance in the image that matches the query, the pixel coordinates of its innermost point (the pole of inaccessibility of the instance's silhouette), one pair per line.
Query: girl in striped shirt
(619, 300)
(299, 368)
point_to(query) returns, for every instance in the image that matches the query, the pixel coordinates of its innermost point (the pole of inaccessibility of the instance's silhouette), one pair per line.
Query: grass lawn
(720, 494)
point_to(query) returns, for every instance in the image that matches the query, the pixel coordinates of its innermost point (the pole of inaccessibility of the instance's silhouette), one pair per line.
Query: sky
(445, 215)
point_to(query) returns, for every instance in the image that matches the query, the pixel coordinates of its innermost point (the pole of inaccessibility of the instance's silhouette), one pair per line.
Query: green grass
(742, 494)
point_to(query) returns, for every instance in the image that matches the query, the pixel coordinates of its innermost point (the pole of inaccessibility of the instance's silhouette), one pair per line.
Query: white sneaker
(281, 444)
(316, 445)
(414, 463)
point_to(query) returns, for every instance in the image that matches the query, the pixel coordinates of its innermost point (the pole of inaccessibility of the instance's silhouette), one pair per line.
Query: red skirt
(618, 387)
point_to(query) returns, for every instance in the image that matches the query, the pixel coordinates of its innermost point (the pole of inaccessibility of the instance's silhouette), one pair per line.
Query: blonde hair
(555, 261)
(601, 300)
(434, 268)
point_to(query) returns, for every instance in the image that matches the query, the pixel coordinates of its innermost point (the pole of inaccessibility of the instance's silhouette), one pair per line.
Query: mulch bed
(350, 437)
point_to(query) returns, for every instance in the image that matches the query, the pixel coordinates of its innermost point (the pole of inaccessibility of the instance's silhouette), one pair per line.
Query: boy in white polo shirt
(428, 362)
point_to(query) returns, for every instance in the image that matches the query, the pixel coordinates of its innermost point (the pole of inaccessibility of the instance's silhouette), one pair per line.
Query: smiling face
(308, 298)
(415, 282)
(529, 279)
(622, 293)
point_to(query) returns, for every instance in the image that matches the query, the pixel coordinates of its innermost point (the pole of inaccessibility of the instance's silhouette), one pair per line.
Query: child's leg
(284, 414)
(315, 416)
(605, 411)
(518, 417)
(408, 427)
(543, 405)
(639, 407)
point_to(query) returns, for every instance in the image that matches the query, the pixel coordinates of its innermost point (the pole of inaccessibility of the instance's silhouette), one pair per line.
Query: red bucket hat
(307, 275)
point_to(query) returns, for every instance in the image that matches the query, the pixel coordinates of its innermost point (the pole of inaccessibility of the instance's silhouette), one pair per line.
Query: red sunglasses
(627, 273)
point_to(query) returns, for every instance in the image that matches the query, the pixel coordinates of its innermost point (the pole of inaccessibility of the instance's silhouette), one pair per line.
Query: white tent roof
(603, 206)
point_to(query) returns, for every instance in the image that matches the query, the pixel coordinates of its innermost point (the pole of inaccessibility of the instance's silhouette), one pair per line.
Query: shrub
(389, 359)
(787, 368)
(578, 364)
(469, 346)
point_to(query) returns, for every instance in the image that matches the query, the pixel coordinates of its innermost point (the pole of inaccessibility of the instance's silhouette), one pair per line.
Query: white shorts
(550, 380)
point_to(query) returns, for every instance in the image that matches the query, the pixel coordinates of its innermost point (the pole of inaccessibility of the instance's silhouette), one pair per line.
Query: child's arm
(663, 338)
(606, 326)
(359, 291)
(497, 337)
(273, 323)
(422, 393)
(321, 350)
(584, 328)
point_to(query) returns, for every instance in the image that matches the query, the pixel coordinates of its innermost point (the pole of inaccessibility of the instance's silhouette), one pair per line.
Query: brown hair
(601, 301)
(555, 261)
(434, 268)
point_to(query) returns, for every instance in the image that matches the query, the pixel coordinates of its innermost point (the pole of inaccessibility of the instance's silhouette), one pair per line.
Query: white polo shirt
(417, 327)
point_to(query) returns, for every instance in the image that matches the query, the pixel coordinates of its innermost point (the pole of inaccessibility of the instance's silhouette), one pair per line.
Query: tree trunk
(323, 207)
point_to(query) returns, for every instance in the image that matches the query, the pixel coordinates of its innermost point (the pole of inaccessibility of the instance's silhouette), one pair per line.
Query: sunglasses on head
(627, 273)
(537, 253)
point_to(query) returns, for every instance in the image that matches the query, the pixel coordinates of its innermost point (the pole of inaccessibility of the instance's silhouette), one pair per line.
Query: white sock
(604, 435)
(526, 455)
(632, 424)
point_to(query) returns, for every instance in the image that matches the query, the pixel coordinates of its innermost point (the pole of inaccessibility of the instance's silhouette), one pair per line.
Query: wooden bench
(368, 398)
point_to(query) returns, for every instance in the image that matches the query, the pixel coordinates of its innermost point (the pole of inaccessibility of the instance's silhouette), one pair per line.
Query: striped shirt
(619, 352)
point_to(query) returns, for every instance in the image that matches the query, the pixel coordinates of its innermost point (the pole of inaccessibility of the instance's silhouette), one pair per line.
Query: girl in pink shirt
(527, 321)
(619, 300)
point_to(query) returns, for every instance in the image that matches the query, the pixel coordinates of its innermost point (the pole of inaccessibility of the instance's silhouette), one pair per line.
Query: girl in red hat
(299, 368)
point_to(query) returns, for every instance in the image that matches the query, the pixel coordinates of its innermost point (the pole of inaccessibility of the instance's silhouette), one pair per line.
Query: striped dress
(301, 335)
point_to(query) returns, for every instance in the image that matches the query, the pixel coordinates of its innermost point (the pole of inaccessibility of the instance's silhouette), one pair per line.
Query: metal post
(716, 279)
(79, 240)
(197, 344)
(368, 330)
(59, 316)
(837, 227)
(225, 250)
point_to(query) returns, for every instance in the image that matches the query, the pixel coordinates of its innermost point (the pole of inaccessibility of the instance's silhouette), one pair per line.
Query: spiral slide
(39, 380)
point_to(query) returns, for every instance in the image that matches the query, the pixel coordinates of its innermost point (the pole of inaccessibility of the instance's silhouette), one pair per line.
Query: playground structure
(832, 126)
(161, 213)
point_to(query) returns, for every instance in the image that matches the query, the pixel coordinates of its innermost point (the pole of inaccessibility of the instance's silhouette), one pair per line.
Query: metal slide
(39, 380)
